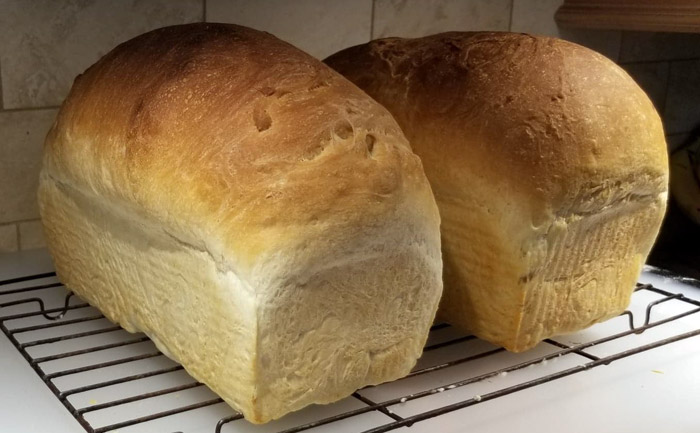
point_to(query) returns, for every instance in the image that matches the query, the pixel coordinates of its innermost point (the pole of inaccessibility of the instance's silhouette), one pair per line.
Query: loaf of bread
(549, 167)
(258, 216)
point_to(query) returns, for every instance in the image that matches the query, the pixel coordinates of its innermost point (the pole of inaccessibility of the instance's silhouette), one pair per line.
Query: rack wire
(67, 330)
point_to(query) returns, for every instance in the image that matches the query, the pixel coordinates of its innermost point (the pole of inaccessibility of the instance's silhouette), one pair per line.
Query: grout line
(2, 101)
(26, 220)
(19, 238)
(371, 21)
(645, 62)
(665, 98)
(510, 18)
(14, 110)
(204, 11)
(642, 62)
(15, 224)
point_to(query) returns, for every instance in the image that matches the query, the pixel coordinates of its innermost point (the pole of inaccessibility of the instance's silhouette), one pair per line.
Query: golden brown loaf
(549, 167)
(259, 217)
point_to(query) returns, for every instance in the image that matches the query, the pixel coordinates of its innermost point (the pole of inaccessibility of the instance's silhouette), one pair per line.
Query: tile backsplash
(319, 27)
(44, 44)
(414, 18)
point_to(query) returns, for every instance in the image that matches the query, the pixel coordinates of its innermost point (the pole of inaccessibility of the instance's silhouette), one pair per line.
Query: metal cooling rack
(86, 361)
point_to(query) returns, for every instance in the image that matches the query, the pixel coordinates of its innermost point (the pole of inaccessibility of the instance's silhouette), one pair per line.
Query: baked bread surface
(549, 166)
(253, 212)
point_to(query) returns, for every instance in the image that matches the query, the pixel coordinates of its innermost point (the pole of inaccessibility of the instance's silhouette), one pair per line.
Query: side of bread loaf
(253, 212)
(549, 167)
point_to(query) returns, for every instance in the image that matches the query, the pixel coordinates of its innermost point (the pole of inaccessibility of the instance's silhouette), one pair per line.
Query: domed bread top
(549, 166)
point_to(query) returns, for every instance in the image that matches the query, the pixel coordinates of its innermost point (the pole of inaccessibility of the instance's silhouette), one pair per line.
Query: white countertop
(26, 403)
(655, 391)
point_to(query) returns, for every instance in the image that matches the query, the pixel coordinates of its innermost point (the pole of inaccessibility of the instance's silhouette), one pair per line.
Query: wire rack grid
(62, 337)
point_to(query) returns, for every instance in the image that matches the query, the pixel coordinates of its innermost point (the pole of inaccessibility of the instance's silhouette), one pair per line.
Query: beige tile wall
(414, 18)
(682, 109)
(45, 43)
(319, 27)
(653, 78)
(537, 17)
(8, 238)
(31, 235)
(21, 137)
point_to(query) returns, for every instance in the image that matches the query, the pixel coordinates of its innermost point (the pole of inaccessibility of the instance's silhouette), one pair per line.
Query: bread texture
(259, 217)
(549, 167)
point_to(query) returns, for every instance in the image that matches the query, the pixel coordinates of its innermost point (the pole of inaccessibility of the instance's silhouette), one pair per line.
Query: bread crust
(526, 141)
(204, 125)
(251, 210)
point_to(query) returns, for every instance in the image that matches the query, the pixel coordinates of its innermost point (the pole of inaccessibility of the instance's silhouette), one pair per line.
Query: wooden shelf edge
(664, 16)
